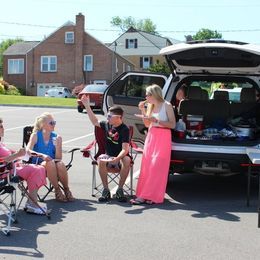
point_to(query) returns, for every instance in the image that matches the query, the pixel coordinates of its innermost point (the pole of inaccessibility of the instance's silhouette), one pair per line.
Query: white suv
(220, 128)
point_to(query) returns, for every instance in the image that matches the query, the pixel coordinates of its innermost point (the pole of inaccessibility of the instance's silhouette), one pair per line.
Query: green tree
(204, 34)
(160, 68)
(3, 46)
(124, 24)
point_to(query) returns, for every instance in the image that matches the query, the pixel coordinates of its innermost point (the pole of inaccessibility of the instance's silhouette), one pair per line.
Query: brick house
(141, 48)
(68, 57)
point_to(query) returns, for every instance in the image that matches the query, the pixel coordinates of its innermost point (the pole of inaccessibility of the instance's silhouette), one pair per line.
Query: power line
(116, 30)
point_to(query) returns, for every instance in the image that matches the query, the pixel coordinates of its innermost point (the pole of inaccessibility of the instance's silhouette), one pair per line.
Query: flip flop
(149, 202)
(137, 201)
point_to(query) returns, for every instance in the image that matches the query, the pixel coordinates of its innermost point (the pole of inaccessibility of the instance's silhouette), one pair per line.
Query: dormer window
(131, 43)
(69, 37)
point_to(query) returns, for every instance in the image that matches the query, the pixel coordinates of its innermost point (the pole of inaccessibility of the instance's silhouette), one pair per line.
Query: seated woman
(48, 146)
(34, 175)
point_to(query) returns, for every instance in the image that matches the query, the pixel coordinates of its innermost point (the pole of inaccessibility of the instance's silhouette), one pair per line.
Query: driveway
(202, 217)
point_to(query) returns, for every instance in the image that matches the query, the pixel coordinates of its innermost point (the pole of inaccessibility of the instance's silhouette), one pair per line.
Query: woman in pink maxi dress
(154, 171)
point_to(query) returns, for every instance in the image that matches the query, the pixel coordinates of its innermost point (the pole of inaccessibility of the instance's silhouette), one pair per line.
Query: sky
(32, 20)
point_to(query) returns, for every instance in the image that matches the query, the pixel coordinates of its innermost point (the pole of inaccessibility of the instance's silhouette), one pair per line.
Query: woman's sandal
(137, 201)
(68, 195)
(149, 202)
(59, 196)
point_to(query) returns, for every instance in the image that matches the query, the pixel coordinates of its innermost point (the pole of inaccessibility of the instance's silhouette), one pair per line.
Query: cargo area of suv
(221, 109)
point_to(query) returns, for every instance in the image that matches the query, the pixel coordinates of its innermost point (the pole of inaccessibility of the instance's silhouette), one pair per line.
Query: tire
(80, 109)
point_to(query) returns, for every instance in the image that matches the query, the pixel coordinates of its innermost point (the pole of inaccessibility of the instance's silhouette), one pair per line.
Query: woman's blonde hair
(40, 120)
(155, 91)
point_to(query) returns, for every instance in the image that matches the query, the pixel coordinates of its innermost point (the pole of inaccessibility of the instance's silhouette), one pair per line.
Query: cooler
(194, 122)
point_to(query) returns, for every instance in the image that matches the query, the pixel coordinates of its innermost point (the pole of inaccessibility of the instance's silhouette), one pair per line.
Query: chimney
(79, 42)
(80, 22)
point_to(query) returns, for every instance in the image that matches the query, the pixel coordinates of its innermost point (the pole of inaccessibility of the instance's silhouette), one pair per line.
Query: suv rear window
(228, 90)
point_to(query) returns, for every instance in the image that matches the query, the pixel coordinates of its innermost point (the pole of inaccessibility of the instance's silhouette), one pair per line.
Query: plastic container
(180, 129)
(194, 122)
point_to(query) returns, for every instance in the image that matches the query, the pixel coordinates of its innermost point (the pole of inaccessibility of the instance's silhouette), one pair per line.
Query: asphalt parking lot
(202, 218)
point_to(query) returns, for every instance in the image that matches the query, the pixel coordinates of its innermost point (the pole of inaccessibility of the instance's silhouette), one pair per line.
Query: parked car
(95, 93)
(58, 92)
(211, 144)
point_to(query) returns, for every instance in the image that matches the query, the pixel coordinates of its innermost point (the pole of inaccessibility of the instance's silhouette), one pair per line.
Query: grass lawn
(39, 101)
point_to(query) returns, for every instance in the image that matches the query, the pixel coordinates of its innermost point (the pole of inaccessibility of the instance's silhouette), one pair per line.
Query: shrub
(12, 90)
(2, 89)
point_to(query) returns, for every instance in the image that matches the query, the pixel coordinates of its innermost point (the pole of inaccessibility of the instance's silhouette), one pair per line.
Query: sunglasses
(52, 123)
(109, 116)
(148, 95)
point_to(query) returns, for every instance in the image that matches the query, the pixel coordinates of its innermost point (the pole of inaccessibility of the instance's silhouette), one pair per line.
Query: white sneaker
(35, 210)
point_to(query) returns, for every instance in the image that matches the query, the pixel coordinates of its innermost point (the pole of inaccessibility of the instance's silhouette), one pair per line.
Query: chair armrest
(135, 147)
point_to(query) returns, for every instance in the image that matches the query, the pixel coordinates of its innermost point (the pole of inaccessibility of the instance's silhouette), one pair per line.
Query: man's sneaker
(105, 196)
(120, 195)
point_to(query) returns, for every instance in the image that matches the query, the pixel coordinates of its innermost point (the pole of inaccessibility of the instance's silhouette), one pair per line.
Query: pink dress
(155, 161)
(34, 175)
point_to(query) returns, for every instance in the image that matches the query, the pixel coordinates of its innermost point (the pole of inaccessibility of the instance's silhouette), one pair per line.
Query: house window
(88, 63)
(131, 43)
(16, 66)
(69, 37)
(146, 62)
(48, 63)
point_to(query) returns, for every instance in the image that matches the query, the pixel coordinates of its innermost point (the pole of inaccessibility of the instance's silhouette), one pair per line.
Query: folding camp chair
(27, 131)
(98, 145)
(9, 182)
(7, 195)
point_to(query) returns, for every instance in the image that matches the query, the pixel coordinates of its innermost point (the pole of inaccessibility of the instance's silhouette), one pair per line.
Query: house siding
(18, 80)
(70, 60)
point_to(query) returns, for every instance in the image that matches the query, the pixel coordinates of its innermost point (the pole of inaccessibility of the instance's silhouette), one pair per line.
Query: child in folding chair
(34, 175)
(48, 147)
(117, 149)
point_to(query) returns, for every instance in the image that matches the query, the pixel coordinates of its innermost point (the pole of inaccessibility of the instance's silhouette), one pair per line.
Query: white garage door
(43, 87)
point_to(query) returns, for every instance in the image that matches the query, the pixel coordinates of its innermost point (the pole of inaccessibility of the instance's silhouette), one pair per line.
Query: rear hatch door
(213, 57)
(127, 91)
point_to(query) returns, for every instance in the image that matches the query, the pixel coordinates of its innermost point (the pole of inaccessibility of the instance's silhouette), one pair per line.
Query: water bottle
(180, 129)
(180, 126)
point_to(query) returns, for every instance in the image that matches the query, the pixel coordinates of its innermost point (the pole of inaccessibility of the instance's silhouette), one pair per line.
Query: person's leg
(62, 174)
(126, 161)
(52, 175)
(102, 168)
(63, 178)
(125, 167)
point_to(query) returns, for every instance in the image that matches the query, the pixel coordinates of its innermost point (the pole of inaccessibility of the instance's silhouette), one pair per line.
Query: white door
(43, 87)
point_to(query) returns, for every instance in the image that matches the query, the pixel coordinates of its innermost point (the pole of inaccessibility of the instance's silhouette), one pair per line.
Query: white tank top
(161, 115)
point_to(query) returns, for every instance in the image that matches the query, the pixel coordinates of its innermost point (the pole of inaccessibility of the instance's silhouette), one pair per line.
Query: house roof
(20, 48)
(157, 40)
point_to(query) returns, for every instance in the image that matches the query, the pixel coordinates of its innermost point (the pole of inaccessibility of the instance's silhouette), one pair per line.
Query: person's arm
(146, 121)
(18, 154)
(91, 115)
(58, 152)
(170, 113)
(122, 154)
